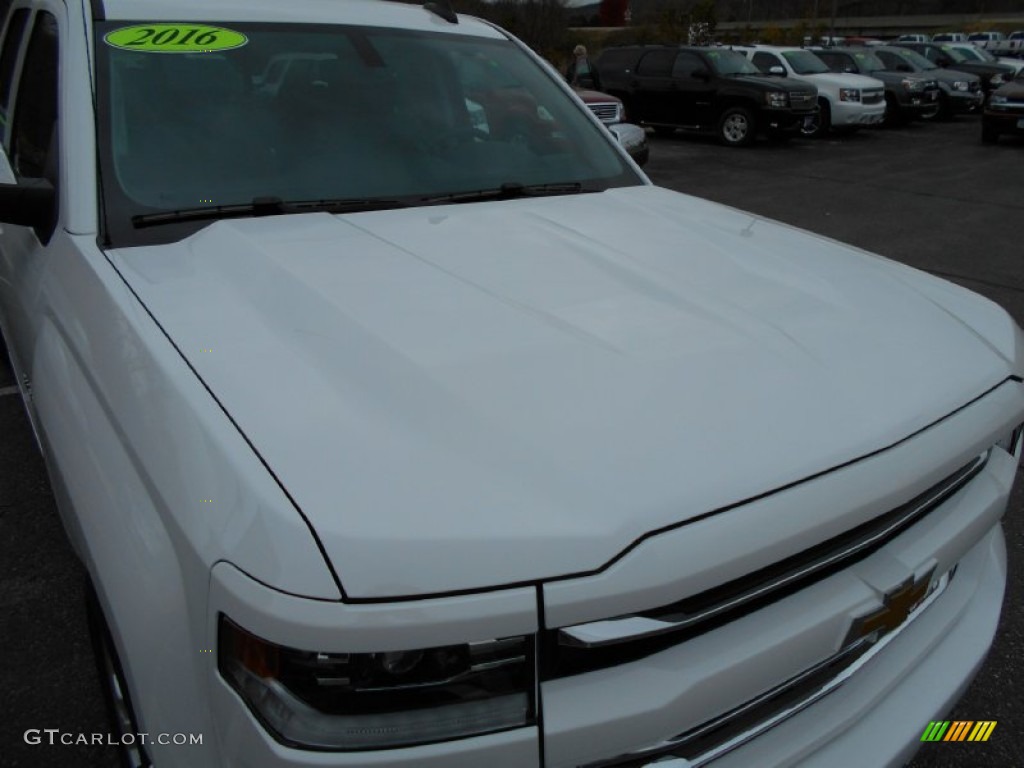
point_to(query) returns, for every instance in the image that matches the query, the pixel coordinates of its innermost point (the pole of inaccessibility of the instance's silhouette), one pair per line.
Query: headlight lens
(849, 94)
(353, 701)
(960, 85)
(997, 79)
(912, 85)
(776, 99)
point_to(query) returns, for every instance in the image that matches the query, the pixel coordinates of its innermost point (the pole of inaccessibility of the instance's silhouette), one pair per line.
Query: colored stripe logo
(959, 730)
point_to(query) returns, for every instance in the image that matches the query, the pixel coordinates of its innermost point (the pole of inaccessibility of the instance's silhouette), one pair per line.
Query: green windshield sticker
(175, 38)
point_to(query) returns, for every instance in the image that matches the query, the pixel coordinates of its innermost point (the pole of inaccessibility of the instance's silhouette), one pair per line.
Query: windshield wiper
(509, 191)
(266, 206)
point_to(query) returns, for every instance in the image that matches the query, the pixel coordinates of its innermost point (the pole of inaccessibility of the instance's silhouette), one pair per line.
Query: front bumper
(781, 122)
(963, 102)
(854, 114)
(1009, 121)
(918, 104)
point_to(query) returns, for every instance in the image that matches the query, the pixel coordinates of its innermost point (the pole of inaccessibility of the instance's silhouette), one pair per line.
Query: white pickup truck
(1011, 45)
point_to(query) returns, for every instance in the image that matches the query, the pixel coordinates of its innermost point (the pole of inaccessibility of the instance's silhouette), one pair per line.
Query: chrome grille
(731, 730)
(872, 97)
(802, 99)
(618, 640)
(607, 111)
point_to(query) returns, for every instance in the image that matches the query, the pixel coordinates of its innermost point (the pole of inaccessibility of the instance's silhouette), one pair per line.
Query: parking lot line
(8, 391)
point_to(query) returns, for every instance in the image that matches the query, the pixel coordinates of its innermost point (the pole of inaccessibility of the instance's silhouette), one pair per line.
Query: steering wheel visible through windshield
(362, 117)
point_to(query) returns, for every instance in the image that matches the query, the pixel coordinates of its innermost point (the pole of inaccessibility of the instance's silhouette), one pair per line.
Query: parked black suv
(706, 90)
(907, 96)
(958, 91)
(944, 55)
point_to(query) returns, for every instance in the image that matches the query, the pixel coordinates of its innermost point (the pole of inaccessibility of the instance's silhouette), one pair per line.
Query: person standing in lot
(579, 66)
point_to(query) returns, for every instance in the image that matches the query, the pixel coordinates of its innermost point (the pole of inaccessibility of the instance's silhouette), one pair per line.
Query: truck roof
(378, 13)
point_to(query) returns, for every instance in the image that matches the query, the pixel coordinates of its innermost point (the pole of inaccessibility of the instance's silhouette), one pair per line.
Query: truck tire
(736, 127)
(113, 684)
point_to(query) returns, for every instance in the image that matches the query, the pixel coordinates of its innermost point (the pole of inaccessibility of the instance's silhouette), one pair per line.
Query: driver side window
(35, 114)
(34, 151)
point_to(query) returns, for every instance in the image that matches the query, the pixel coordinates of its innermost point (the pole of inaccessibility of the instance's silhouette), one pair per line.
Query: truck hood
(773, 82)
(845, 80)
(460, 397)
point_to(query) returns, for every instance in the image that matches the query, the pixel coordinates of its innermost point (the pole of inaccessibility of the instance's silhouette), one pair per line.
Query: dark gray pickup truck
(704, 90)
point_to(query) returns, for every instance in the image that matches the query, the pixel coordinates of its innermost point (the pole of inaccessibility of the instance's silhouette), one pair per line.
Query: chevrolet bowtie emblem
(896, 607)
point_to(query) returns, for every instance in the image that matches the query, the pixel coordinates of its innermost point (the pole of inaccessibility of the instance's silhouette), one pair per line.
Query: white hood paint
(846, 80)
(484, 394)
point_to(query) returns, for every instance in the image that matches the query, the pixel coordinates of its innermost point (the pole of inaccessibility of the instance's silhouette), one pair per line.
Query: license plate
(809, 121)
(1020, 123)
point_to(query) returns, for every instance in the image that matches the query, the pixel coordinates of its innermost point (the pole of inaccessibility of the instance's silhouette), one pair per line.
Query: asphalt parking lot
(931, 196)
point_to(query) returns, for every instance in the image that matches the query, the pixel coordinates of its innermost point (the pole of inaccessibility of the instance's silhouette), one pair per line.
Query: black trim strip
(99, 13)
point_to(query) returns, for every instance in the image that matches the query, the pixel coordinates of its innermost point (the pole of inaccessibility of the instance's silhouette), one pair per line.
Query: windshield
(971, 53)
(728, 62)
(954, 53)
(302, 112)
(805, 62)
(916, 59)
(869, 62)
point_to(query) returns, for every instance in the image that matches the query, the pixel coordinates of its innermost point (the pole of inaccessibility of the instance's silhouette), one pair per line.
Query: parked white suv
(389, 438)
(846, 101)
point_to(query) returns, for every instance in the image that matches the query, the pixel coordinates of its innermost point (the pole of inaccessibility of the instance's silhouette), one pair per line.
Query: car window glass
(805, 62)
(731, 63)
(765, 61)
(8, 58)
(834, 61)
(917, 60)
(891, 60)
(686, 64)
(657, 63)
(35, 113)
(358, 114)
(868, 62)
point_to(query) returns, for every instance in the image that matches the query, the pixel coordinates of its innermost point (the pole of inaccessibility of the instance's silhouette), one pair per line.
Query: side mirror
(904, 68)
(942, 61)
(777, 70)
(29, 203)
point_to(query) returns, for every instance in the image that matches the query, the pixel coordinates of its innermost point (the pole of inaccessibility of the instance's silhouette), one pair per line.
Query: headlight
(960, 85)
(997, 79)
(912, 85)
(353, 701)
(849, 94)
(776, 100)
